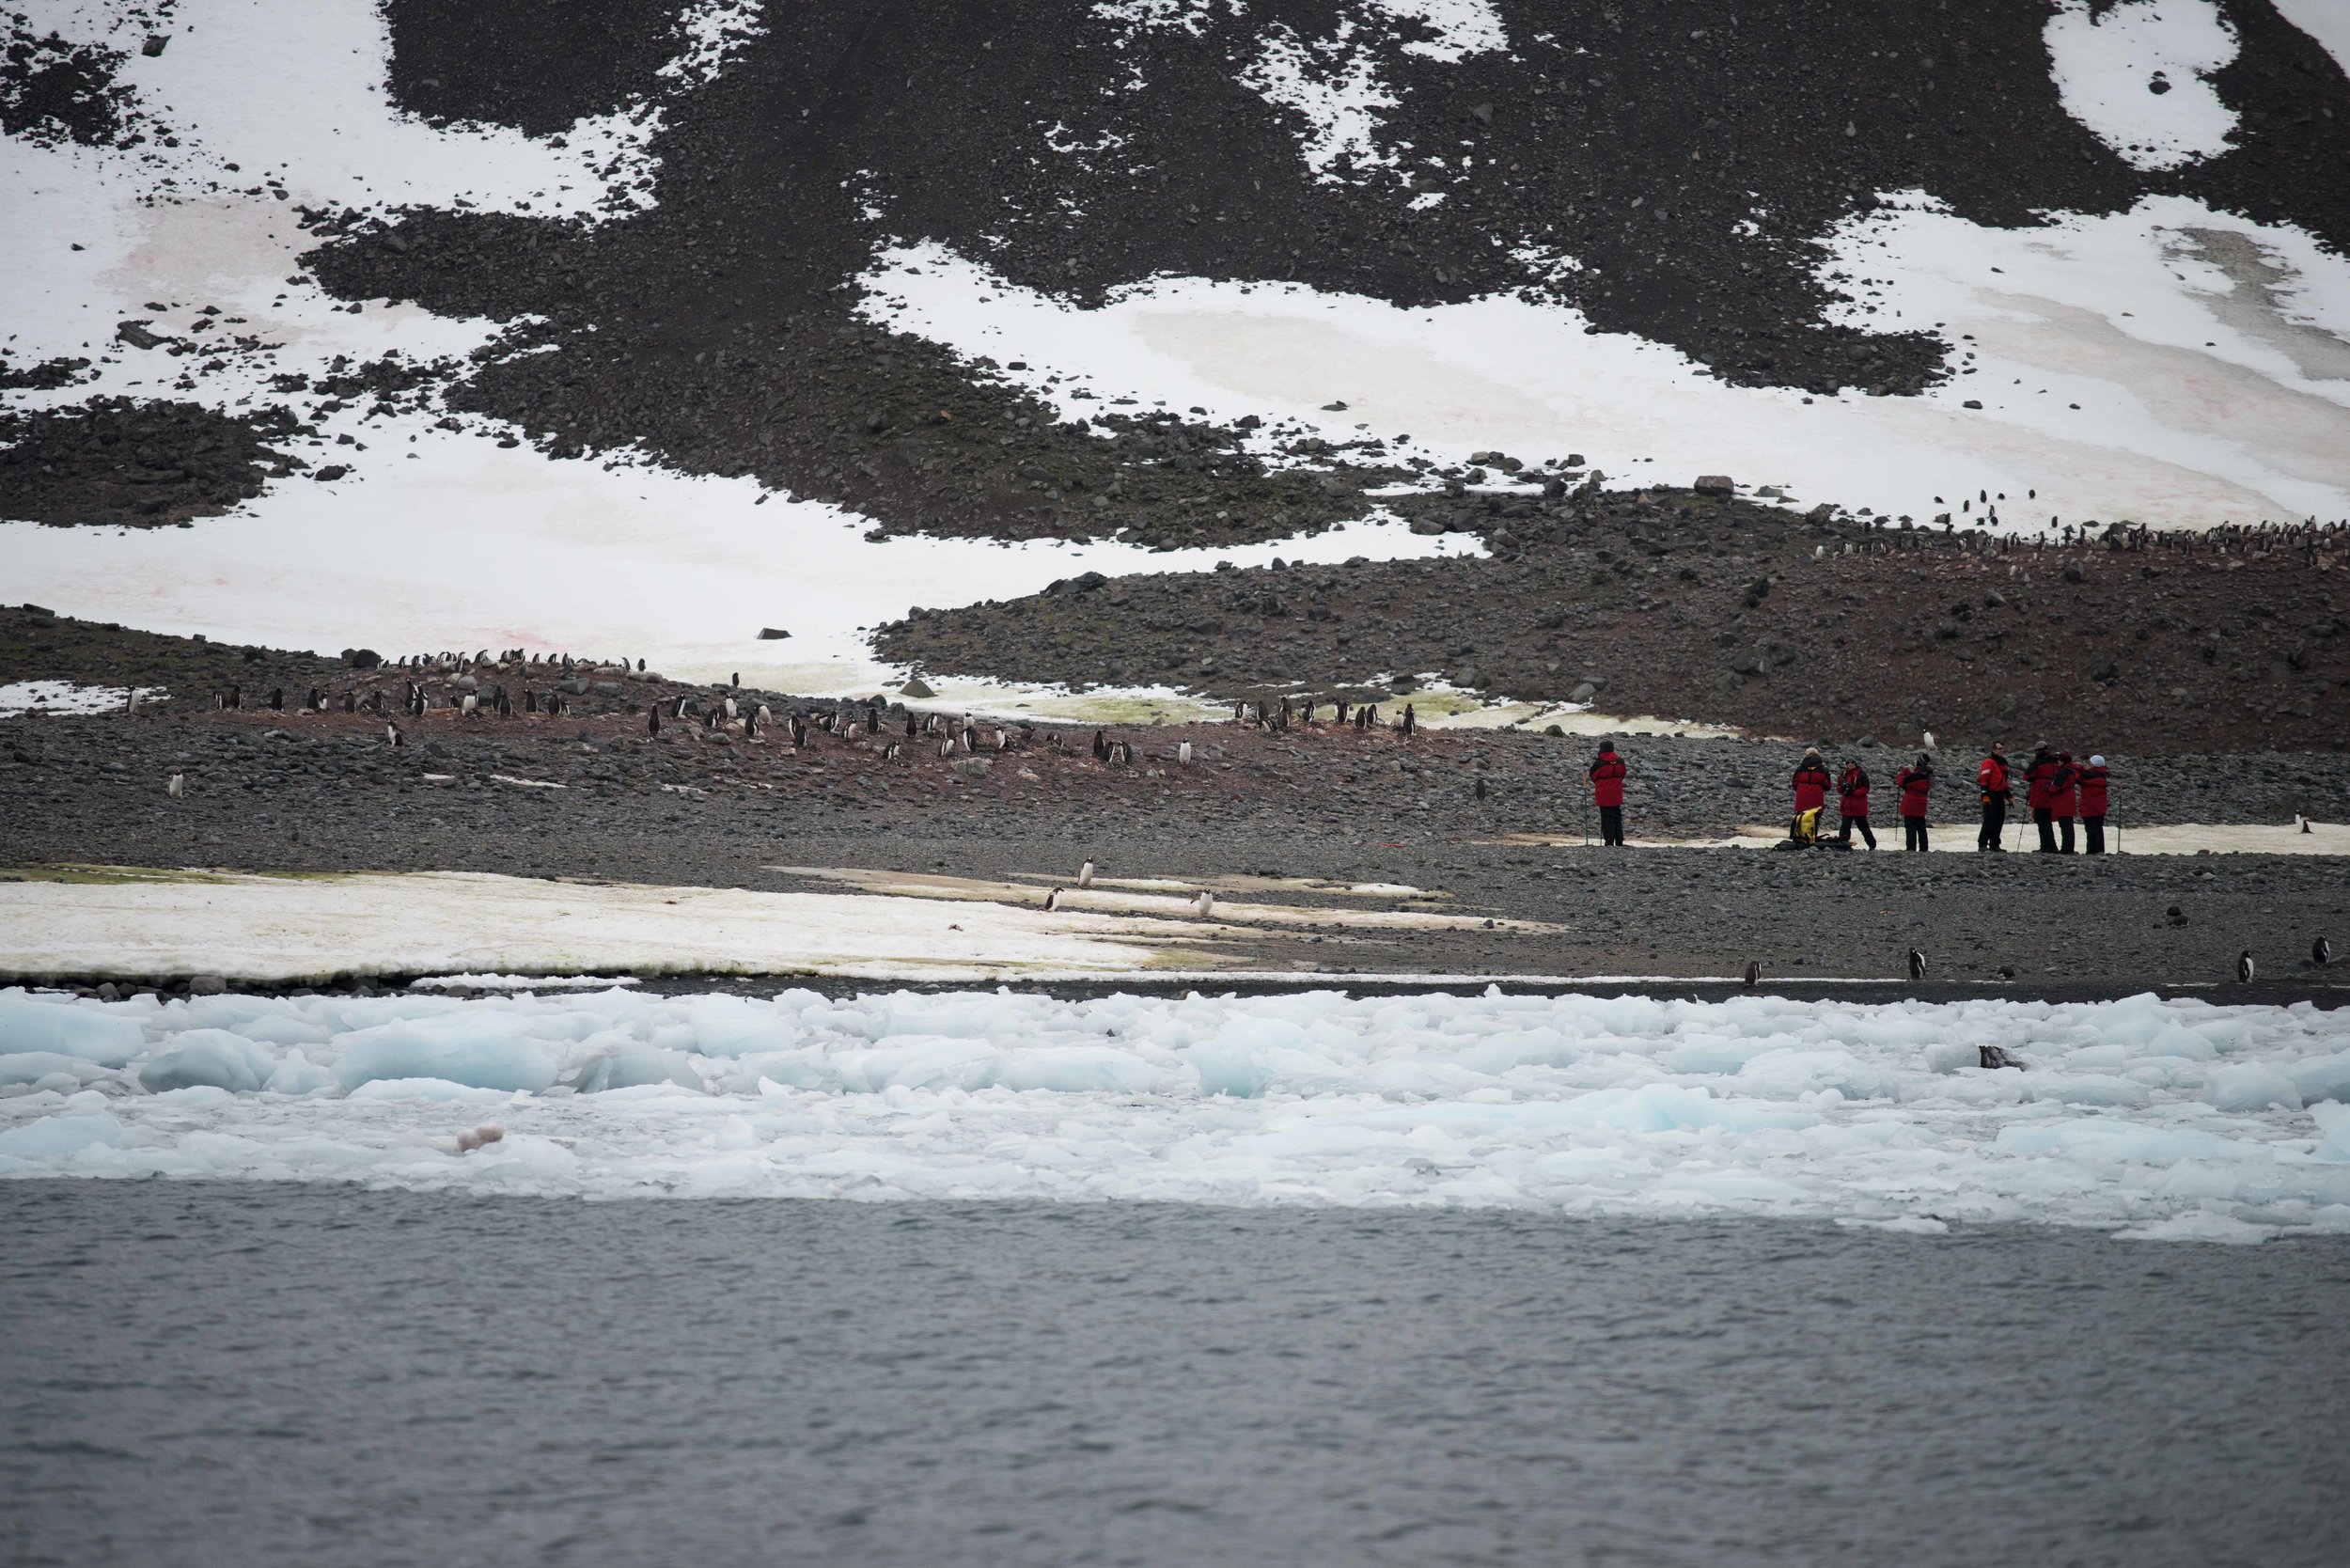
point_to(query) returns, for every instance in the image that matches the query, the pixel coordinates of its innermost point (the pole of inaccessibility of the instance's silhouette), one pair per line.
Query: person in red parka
(2065, 797)
(1811, 782)
(1916, 781)
(2036, 780)
(1852, 786)
(2095, 782)
(1608, 793)
(1991, 781)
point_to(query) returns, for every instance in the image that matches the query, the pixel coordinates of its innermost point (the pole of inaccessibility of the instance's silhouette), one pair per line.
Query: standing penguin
(2245, 968)
(179, 787)
(1917, 964)
(1183, 753)
(1754, 973)
(1411, 719)
(1051, 900)
(1085, 879)
(1204, 905)
(391, 732)
(652, 719)
(2320, 952)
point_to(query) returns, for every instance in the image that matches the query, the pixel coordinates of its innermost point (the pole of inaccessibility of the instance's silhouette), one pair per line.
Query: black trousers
(2066, 824)
(1993, 823)
(1862, 823)
(1611, 824)
(2094, 828)
(2047, 818)
(1914, 833)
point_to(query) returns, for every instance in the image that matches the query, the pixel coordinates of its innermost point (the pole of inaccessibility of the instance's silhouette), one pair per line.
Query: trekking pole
(1586, 825)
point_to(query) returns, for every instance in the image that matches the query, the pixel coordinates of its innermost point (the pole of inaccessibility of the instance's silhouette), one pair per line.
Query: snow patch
(19, 698)
(2135, 73)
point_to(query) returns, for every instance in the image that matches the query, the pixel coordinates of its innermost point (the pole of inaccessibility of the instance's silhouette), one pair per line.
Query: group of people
(2058, 793)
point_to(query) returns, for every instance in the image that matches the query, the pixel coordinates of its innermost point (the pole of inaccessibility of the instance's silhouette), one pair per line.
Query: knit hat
(2096, 761)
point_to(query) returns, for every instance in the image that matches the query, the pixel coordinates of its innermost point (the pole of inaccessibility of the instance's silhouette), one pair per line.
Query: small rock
(207, 985)
(1584, 692)
(772, 633)
(1716, 484)
(917, 688)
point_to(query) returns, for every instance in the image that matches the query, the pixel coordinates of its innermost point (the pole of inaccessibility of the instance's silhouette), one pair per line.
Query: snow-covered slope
(2085, 254)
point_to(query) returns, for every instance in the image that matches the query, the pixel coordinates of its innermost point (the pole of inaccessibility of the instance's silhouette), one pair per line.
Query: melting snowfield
(2177, 1121)
(2171, 363)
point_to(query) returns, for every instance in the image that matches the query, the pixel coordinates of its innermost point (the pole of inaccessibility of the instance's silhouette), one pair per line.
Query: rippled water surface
(196, 1374)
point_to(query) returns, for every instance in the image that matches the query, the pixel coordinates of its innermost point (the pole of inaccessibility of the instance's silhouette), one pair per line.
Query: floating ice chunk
(1079, 1069)
(2201, 1225)
(33, 1067)
(68, 1027)
(54, 1136)
(2251, 1085)
(214, 1056)
(2323, 1078)
(2333, 1124)
(481, 1050)
(298, 1075)
(440, 1090)
(736, 1025)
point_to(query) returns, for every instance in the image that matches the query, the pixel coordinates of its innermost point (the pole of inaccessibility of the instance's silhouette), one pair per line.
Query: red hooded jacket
(1608, 780)
(1854, 787)
(1991, 778)
(1811, 785)
(2092, 792)
(2063, 800)
(1914, 785)
(2036, 780)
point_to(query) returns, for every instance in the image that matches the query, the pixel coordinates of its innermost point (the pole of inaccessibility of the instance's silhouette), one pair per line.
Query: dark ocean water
(199, 1374)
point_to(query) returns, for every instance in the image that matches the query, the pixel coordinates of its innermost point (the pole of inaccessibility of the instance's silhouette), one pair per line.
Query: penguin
(945, 749)
(970, 737)
(1183, 753)
(1051, 900)
(1101, 747)
(530, 701)
(391, 732)
(351, 702)
(1003, 740)
(1481, 786)
(1204, 905)
(1929, 740)
(504, 704)
(471, 705)
(1917, 964)
(1085, 879)
(750, 725)
(1754, 973)
(179, 787)
(2245, 968)
(1996, 1057)
(310, 699)
(652, 719)
(2320, 952)
(1411, 719)
(737, 682)
(732, 711)
(278, 699)
(889, 753)
(764, 716)
(911, 725)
